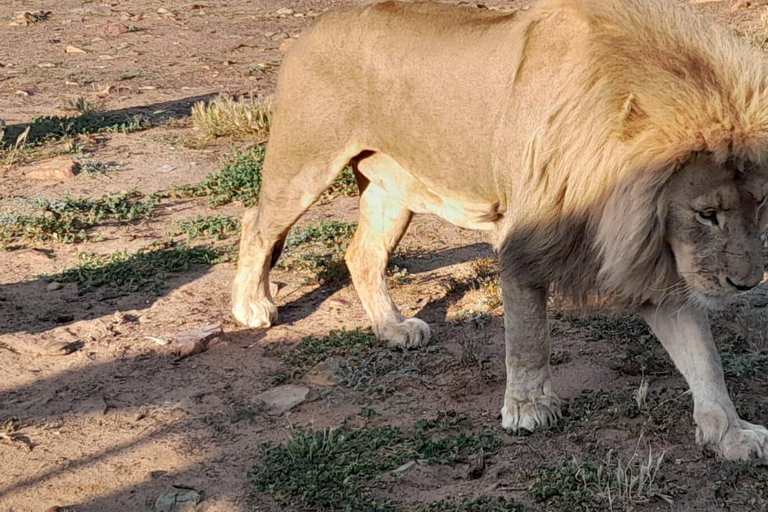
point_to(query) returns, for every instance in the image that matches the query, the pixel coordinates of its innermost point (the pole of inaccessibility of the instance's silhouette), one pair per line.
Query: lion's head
(714, 217)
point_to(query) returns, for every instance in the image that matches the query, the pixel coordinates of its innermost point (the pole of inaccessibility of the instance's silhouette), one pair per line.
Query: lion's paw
(743, 441)
(255, 314)
(410, 333)
(541, 411)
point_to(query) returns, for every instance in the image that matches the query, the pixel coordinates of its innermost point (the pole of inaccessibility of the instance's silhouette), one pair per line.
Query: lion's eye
(708, 217)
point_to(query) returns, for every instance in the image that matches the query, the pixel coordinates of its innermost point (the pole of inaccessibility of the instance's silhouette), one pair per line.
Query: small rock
(284, 11)
(279, 36)
(53, 286)
(195, 341)
(285, 45)
(115, 29)
(178, 500)
(325, 373)
(56, 169)
(73, 49)
(159, 341)
(284, 398)
(165, 12)
(157, 474)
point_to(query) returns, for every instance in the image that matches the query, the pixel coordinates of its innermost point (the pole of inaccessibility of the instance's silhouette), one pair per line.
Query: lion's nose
(741, 287)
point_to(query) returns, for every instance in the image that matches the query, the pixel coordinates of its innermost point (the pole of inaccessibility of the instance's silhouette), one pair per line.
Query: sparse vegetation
(143, 271)
(345, 184)
(94, 167)
(334, 469)
(238, 180)
(226, 116)
(331, 234)
(322, 250)
(67, 220)
(485, 504)
(81, 105)
(46, 128)
(638, 351)
(217, 227)
(311, 349)
(605, 484)
(650, 410)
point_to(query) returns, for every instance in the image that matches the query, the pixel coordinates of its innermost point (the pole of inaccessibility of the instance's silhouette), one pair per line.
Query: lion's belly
(423, 196)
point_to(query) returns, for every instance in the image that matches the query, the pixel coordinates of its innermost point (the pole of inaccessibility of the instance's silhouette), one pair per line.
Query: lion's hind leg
(383, 221)
(289, 188)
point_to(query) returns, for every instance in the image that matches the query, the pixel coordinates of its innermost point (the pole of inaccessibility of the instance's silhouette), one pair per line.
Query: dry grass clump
(227, 116)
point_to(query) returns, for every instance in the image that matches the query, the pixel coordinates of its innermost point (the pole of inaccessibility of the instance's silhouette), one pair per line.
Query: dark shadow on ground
(28, 306)
(420, 263)
(131, 119)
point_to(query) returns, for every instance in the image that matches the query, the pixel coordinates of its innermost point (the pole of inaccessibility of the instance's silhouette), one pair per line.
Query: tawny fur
(616, 149)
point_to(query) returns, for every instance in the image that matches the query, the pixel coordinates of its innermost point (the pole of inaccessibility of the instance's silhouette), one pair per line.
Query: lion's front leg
(687, 338)
(529, 401)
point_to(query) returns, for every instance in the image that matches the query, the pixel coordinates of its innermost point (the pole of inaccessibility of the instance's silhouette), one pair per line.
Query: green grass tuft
(312, 350)
(332, 470)
(67, 220)
(143, 271)
(332, 234)
(609, 483)
(238, 180)
(217, 227)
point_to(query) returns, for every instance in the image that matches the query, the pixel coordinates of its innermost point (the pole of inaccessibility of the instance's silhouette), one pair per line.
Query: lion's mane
(654, 85)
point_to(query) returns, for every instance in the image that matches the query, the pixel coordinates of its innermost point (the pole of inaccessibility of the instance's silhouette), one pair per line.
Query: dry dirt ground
(97, 415)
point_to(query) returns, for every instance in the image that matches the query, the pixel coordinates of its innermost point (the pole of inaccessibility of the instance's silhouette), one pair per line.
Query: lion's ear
(632, 118)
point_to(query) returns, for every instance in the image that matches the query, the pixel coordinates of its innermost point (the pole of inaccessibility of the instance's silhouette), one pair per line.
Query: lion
(614, 150)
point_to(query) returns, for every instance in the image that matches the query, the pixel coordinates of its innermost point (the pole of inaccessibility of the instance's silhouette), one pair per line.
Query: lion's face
(714, 219)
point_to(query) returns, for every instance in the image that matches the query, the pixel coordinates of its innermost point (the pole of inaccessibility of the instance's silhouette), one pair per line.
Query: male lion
(615, 149)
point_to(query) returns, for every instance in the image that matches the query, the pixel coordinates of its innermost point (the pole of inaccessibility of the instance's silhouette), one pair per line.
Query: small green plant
(376, 370)
(143, 271)
(332, 470)
(67, 220)
(609, 483)
(332, 234)
(226, 116)
(311, 349)
(217, 227)
(238, 180)
(81, 105)
(345, 184)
